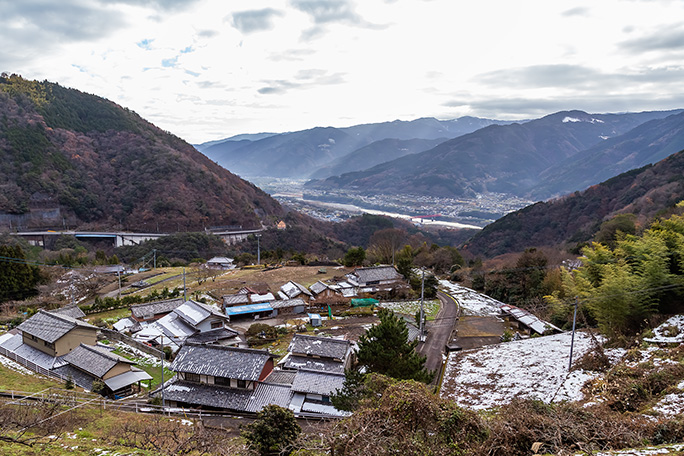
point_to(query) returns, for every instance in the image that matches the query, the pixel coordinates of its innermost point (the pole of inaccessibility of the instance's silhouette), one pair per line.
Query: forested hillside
(576, 218)
(74, 159)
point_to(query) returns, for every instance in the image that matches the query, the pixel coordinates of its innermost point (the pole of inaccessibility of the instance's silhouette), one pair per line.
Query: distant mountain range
(524, 159)
(575, 218)
(321, 152)
(68, 158)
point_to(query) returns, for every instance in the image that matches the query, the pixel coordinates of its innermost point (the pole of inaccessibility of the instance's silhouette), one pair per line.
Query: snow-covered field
(470, 301)
(491, 376)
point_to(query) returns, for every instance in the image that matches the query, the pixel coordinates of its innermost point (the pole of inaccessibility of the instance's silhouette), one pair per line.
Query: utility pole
(258, 249)
(154, 251)
(422, 312)
(118, 274)
(185, 295)
(163, 355)
(572, 340)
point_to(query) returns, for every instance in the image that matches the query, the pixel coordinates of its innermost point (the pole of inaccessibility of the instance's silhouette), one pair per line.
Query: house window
(242, 383)
(222, 381)
(48, 344)
(216, 324)
(192, 377)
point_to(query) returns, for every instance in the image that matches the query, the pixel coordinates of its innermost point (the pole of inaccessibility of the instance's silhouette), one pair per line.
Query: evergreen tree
(354, 257)
(18, 280)
(385, 349)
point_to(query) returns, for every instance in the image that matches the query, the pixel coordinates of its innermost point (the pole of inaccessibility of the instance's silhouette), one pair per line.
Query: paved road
(439, 333)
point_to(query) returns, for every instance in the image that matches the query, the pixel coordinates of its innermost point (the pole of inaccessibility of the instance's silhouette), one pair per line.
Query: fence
(30, 365)
(73, 399)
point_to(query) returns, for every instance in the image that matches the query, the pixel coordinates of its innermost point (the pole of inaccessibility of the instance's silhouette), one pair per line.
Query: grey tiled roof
(318, 287)
(266, 394)
(51, 327)
(207, 395)
(281, 377)
(194, 313)
(378, 273)
(147, 310)
(293, 289)
(324, 347)
(220, 361)
(317, 382)
(317, 364)
(222, 397)
(287, 303)
(94, 360)
(236, 299)
(16, 345)
(70, 311)
(214, 335)
(79, 377)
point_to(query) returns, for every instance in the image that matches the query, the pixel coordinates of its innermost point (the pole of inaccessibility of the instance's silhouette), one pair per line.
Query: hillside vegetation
(70, 158)
(575, 218)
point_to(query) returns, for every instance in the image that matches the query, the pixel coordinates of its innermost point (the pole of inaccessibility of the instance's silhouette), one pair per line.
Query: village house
(220, 263)
(223, 378)
(41, 342)
(377, 277)
(187, 320)
(151, 311)
(55, 334)
(281, 225)
(322, 292)
(312, 390)
(246, 296)
(317, 353)
(292, 290)
(88, 363)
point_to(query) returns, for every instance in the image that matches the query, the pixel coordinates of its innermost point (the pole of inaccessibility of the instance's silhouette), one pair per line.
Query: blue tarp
(248, 309)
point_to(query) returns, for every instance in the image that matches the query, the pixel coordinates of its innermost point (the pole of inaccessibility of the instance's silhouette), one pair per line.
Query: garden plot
(537, 368)
(470, 301)
(430, 307)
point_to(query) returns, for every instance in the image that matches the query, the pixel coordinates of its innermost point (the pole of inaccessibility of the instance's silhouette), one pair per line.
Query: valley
(338, 205)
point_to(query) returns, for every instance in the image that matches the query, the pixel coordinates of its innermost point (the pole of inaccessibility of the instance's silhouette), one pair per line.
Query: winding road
(439, 333)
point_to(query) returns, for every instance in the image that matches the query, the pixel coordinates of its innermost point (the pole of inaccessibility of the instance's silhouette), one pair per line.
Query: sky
(210, 69)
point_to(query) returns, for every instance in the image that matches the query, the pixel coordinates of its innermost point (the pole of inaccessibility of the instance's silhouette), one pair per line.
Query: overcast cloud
(209, 69)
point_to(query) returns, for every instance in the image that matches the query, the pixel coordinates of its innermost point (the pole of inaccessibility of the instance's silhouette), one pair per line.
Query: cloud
(36, 21)
(207, 33)
(304, 79)
(164, 5)
(540, 76)
(579, 11)
(667, 38)
(578, 77)
(325, 12)
(292, 55)
(255, 20)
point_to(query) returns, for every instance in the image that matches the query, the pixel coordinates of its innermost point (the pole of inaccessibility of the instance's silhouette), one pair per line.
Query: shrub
(273, 431)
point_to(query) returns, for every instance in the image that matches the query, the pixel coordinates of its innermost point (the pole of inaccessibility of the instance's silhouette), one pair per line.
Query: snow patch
(536, 368)
(472, 302)
(671, 332)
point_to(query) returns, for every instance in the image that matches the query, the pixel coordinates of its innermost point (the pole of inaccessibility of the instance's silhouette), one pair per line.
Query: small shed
(315, 320)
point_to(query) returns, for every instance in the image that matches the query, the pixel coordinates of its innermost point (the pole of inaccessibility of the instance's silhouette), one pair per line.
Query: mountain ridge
(506, 159)
(85, 161)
